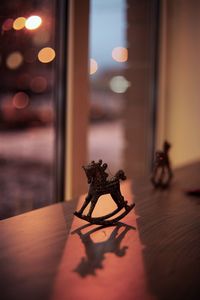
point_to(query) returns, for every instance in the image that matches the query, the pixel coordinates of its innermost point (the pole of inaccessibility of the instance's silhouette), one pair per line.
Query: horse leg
(118, 198)
(170, 174)
(123, 202)
(93, 204)
(154, 176)
(162, 176)
(85, 204)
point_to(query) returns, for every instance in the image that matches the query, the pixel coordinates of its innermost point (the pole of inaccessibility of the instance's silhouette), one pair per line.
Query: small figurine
(162, 173)
(100, 185)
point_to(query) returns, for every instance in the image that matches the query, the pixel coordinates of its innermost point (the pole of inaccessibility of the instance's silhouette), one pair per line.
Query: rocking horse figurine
(162, 173)
(100, 185)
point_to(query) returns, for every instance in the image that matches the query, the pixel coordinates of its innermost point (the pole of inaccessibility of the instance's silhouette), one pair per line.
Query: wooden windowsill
(153, 254)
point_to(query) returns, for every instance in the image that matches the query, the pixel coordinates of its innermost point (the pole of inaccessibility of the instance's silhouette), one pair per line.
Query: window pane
(26, 105)
(122, 80)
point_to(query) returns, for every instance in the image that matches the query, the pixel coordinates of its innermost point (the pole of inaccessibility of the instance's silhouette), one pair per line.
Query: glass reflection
(122, 99)
(108, 47)
(26, 105)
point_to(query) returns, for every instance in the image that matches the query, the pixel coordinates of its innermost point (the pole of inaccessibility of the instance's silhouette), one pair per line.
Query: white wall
(179, 107)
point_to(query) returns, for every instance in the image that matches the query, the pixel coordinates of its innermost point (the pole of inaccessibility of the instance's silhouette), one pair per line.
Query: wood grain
(39, 259)
(169, 227)
(30, 250)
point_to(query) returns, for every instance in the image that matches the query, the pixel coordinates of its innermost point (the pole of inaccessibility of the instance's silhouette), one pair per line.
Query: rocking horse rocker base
(105, 220)
(101, 185)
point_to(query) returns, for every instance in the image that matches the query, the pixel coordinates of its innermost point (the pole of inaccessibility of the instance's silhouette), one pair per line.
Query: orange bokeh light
(46, 55)
(19, 23)
(20, 100)
(14, 60)
(93, 66)
(120, 54)
(33, 22)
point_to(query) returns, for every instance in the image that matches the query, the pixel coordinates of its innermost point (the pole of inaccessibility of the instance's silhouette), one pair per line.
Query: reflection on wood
(42, 258)
(105, 263)
(96, 251)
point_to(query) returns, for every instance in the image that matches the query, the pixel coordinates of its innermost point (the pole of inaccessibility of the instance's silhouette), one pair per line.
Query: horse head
(95, 171)
(166, 146)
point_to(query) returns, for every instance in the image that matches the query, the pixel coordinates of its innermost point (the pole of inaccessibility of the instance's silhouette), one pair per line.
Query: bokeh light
(20, 100)
(119, 84)
(7, 24)
(14, 60)
(46, 55)
(19, 23)
(120, 54)
(93, 66)
(41, 37)
(33, 22)
(38, 84)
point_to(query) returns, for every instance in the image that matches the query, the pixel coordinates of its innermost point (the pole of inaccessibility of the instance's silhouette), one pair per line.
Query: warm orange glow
(120, 54)
(38, 84)
(20, 100)
(19, 23)
(93, 66)
(14, 60)
(102, 261)
(7, 24)
(33, 22)
(46, 55)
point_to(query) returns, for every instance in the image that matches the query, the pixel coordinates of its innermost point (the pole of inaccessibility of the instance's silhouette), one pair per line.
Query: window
(123, 45)
(29, 138)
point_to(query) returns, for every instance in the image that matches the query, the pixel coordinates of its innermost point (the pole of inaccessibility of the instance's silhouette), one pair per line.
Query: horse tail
(120, 175)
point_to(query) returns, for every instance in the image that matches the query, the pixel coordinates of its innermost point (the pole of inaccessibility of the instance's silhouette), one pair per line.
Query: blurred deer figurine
(162, 173)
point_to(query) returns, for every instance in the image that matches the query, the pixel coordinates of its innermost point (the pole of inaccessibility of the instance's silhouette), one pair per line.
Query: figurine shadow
(95, 251)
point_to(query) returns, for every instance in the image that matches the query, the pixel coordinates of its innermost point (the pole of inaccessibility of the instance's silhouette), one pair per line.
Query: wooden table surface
(153, 254)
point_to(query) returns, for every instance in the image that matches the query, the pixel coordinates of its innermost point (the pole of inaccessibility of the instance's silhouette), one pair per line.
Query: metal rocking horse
(100, 185)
